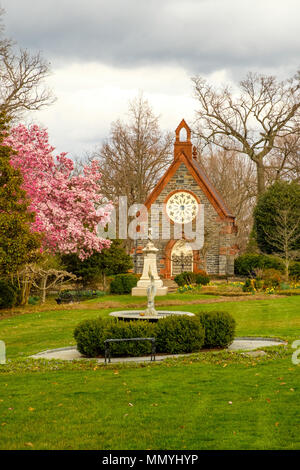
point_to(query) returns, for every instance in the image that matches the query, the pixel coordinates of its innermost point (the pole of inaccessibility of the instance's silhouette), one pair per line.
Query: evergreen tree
(93, 270)
(18, 245)
(277, 221)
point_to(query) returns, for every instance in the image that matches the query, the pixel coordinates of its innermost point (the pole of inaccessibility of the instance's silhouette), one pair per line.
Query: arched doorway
(181, 257)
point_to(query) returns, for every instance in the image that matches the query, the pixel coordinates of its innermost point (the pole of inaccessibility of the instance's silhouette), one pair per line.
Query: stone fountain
(149, 313)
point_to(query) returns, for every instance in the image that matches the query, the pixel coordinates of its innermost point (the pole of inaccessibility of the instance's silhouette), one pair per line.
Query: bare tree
(45, 279)
(21, 79)
(135, 155)
(265, 110)
(234, 178)
(284, 160)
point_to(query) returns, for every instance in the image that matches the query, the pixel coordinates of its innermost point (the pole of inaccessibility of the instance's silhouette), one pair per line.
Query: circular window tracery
(182, 207)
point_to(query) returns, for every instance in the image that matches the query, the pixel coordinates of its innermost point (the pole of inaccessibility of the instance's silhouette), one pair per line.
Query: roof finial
(183, 125)
(183, 146)
(195, 153)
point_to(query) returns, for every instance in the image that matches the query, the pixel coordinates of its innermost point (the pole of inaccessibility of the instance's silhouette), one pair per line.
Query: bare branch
(265, 111)
(234, 178)
(135, 156)
(45, 279)
(22, 77)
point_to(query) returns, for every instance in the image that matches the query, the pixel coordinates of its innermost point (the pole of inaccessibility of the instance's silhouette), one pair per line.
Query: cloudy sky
(103, 53)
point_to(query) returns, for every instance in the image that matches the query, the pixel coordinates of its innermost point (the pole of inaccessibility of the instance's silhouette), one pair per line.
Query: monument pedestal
(149, 266)
(142, 291)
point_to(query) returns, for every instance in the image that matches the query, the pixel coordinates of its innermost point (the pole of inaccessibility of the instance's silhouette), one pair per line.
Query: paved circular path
(239, 344)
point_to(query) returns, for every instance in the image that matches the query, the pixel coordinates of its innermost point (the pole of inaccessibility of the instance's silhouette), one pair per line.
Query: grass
(242, 406)
(226, 400)
(34, 332)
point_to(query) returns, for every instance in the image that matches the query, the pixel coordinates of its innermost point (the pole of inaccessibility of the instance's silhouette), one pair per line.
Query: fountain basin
(128, 315)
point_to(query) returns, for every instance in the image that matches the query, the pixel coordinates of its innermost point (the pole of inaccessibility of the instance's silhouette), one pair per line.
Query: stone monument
(151, 292)
(149, 268)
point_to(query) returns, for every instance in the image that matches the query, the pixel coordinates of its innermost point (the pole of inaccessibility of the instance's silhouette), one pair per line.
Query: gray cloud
(201, 36)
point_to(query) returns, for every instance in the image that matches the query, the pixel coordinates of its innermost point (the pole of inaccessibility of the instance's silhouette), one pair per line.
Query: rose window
(182, 207)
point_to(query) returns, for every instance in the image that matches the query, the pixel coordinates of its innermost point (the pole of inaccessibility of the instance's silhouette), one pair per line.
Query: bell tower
(183, 142)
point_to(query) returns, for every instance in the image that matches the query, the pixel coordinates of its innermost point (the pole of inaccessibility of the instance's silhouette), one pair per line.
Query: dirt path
(170, 303)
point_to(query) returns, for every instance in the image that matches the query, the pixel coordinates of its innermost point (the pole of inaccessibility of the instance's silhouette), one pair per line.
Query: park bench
(108, 342)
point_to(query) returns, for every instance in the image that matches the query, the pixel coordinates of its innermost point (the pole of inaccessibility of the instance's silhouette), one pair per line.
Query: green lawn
(213, 400)
(34, 332)
(185, 405)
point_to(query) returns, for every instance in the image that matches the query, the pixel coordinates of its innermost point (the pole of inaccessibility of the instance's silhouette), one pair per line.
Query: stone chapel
(183, 184)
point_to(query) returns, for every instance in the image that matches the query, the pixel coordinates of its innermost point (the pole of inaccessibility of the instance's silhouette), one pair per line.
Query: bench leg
(153, 351)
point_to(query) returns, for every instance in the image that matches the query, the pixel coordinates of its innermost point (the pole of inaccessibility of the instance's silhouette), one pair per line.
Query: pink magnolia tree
(68, 208)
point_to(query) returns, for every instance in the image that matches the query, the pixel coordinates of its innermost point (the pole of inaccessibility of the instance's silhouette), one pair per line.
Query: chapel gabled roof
(183, 154)
(211, 188)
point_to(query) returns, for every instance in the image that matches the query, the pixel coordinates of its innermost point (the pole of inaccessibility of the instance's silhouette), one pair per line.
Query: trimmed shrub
(202, 279)
(174, 335)
(219, 329)
(123, 283)
(186, 277)
(90, 336)
(8, 295)
(246, 264)
(179, 280)
(179, 334)
(131, 329)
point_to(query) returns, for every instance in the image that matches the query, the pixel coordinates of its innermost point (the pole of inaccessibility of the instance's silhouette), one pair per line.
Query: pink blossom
(68, 208)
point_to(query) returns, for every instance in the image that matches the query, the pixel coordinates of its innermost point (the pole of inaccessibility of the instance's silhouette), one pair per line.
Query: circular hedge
(90, 336)
(179, 334)
(174, 334)
(219, 329)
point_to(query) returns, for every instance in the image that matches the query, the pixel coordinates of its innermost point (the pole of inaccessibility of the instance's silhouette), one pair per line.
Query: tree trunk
(104, 282)
(260, 177)
(26, 287)
(44, 289)
(287, 262)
